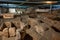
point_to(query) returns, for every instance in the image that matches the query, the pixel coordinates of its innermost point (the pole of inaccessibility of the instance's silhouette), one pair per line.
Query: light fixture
(50, 2)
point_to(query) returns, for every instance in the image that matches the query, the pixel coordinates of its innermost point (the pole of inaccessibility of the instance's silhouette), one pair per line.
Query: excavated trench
(56, 18)
(28, 37)
(32, 34)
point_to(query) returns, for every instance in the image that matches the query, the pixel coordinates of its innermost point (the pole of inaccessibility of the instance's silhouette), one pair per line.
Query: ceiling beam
(29, 3)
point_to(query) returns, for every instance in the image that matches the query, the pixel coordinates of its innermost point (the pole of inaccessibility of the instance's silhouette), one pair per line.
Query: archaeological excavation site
(29, 20)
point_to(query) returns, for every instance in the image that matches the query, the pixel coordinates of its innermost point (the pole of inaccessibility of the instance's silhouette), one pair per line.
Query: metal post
(50, 8)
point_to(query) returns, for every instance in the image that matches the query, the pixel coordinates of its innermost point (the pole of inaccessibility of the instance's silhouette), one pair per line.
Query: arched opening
(29, 26)
(55, 29)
